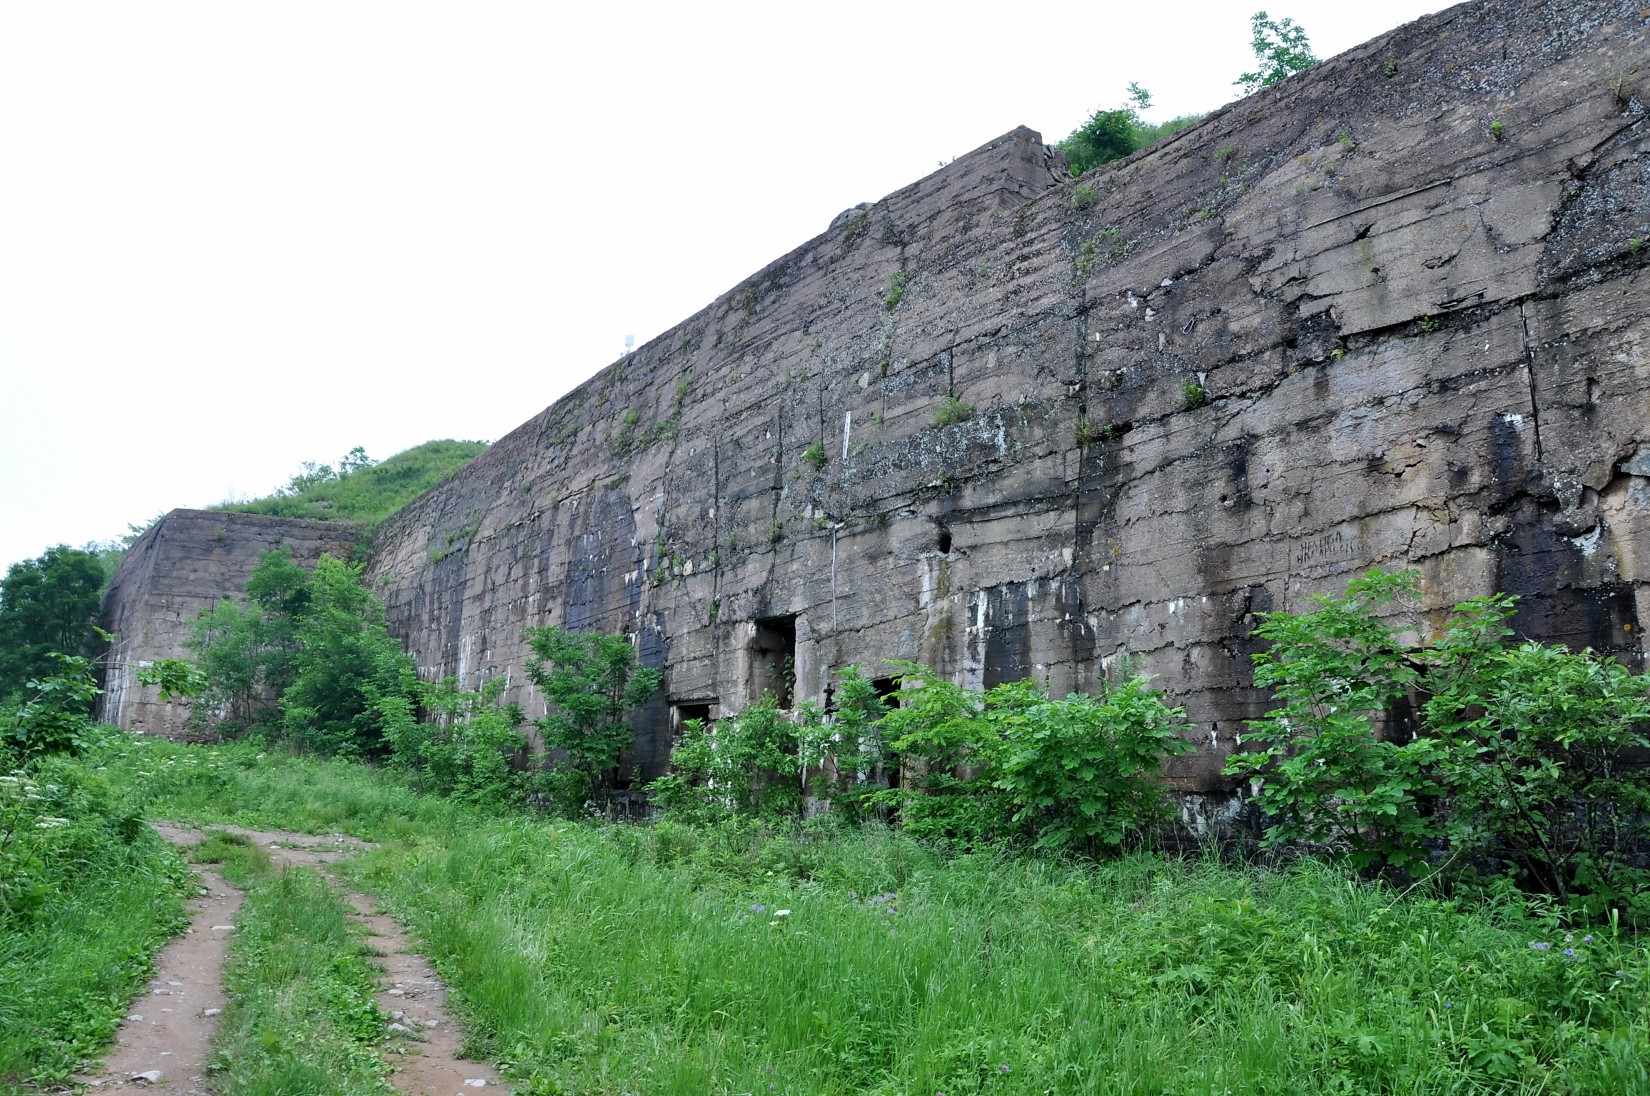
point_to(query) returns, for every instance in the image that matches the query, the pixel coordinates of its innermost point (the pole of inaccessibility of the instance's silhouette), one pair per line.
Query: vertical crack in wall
(1529, 375)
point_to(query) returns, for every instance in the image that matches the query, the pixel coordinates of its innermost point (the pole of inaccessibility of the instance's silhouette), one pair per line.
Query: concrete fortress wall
(185, 563)
(1008, 424)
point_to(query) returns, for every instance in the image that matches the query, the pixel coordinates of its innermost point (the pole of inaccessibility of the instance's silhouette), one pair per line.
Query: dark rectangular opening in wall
(682, 712)
(773, 659)
(888, 773)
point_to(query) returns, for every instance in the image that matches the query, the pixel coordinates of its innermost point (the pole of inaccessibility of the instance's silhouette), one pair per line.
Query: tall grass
(76, 943)
(248, 784)
(657, 960)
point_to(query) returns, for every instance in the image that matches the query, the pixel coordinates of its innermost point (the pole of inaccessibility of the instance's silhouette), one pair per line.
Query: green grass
(652, 959)
(249, 784)
(368, 495)
(73, 955)
(302, 1016)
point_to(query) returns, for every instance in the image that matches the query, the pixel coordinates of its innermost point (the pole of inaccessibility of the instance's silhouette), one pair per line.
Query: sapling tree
(1322, 772)
(1281, 50)
(594, 685)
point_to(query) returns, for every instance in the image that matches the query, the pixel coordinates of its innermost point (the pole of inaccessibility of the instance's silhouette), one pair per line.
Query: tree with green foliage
(307, 655)
(1281, 50)
(594, 686)
(345, 664)
(248, 650)
(944, 743)
(47, 607)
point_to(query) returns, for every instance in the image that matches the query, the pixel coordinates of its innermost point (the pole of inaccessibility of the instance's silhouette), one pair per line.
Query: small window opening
(773, 660)
(686, 711)
(944, 540)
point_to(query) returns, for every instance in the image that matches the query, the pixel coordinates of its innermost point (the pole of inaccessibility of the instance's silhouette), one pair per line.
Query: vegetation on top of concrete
(950, 411)
(897, 284)
(360, 489)
(1281, 50)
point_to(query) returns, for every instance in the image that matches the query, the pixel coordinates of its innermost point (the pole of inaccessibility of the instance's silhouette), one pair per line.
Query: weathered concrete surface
(1006, 424)
(187, 562)
(1388, 313)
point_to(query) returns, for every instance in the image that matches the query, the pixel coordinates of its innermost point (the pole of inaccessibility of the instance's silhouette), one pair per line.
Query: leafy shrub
(846, 752)
(944, 742)
(1524, 754)
(1080, 770)
(466, 746)
(593, 685)
(1323, 774)
(1107, 135)
(814, 456)
(1540, 760)
(744, 764)
(345, 664)
(51, 717)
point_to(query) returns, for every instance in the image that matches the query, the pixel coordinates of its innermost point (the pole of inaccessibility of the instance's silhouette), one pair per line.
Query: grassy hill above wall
(364, 494)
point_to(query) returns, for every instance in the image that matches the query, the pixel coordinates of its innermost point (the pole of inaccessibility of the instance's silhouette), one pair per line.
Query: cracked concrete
(1345, 322)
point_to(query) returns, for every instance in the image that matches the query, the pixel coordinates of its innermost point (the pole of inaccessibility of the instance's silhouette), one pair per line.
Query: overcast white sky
(236, 236)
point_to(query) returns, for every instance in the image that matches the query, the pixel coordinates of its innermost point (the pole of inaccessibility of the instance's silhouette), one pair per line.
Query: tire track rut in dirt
(164, 1046)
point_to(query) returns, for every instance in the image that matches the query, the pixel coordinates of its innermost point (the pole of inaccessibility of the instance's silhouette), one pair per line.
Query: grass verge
(664, 959)
(87, 896)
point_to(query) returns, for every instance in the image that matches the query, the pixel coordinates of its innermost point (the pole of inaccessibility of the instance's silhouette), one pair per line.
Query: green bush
(1540, 761)
(1522, 762)
(51, 716)
(1081, 771)
(944, 744)
(466, 746)
(594, 686)
(742, 765)
(1323, 774)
